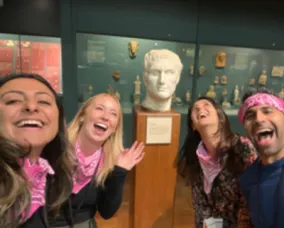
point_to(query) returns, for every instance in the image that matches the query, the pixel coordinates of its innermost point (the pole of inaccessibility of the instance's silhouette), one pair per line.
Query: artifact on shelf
(226, 104)
(201, 70)
(187, 96)
(110, 90)
(221, 59)
(116, 75)
(137, 84)
(176, 100)
(10, 43)
(237, 95)
(262, 78)
(224, 92)
(191, 69)
(90, 88)
(133, 48)
(252, 81)
(281, 94)
(117, 95)
(224, 80)
(277, 71)
(211, 93)
(216, 81)
(136, 98)
(162, 70)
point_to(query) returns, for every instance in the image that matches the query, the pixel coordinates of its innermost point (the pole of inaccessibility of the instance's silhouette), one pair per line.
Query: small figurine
(136, 99)
(187, 96)
(110, 90)
(262, 78)
(281, 94)
(226, 104)
(221, 59)
(137, 85)
(224, 92)
(133, 48)
(117, 95)
(90, 89)
(116, 75)
(224, 80)
(251, 81)
(201, 70)
(211, 93)
(216, 81)
(236, 95)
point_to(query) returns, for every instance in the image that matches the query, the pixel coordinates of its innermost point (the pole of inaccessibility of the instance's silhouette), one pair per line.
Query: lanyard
(278, 201)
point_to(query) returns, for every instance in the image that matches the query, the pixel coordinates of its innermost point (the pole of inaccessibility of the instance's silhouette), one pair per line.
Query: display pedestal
(154, 178)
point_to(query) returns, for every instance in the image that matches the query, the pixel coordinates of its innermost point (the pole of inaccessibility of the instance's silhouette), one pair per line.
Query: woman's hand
(128, 158)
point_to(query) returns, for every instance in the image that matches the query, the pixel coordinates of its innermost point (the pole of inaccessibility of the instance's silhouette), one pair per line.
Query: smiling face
(28, 113)
(204, 114)
(101, 119)
(264, 126)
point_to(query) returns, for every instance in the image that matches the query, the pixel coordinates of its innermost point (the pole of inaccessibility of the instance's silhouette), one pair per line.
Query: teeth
(264, 130)
(101, 125)
(29, 122)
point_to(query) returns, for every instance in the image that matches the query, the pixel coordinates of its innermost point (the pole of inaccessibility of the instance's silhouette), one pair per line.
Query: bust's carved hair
(14, 191)
(157, 54)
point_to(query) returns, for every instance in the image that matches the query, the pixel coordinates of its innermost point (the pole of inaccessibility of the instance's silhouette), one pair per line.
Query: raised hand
(128, 158)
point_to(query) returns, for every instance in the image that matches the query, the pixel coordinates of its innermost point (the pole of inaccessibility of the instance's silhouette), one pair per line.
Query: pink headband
(260, 99)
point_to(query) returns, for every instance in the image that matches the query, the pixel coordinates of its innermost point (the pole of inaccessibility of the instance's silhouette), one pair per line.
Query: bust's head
(162, 69)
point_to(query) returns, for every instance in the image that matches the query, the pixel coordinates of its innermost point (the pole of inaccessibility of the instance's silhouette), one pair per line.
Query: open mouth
(100, 126)
(30, 124)
(202, 116)
(264, 135)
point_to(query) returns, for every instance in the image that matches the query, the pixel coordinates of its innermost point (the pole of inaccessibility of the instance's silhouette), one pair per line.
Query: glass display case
(230, 71)
(32, 54)
(115, 64)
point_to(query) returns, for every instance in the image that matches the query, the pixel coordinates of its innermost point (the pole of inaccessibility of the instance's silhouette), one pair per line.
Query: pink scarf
(86, 167)
(210, 168)
(260, 99)
(36, 174)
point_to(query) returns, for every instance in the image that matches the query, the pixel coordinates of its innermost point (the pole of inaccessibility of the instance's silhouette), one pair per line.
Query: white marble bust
(162, 69)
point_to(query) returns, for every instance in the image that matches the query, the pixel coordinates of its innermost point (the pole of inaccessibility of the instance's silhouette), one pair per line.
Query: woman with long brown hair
(31, 116)
(213, 157)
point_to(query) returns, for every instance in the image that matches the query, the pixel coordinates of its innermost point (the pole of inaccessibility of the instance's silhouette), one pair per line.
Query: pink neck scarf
(210, 167)
(260, 99)
(86, 167)
(36, 174)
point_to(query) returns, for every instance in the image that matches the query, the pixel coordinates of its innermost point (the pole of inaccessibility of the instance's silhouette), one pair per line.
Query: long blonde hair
(112, 146)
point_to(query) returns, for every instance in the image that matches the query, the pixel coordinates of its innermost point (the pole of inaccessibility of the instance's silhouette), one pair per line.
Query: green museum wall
(213, 23)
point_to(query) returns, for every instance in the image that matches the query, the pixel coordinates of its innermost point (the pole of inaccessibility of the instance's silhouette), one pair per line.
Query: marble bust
(162, 69)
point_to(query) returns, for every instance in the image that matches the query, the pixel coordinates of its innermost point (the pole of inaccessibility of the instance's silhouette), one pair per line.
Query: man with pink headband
(262, 114)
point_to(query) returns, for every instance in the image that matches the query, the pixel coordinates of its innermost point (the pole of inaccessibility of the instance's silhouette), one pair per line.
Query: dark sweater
(86, 203)
(262, 204)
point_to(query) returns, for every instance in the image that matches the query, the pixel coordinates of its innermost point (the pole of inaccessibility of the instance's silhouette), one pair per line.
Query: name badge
(213, 223)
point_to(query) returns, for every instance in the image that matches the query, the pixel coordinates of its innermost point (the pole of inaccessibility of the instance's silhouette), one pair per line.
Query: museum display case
(115, 64)
(230, 71)
(32, 54)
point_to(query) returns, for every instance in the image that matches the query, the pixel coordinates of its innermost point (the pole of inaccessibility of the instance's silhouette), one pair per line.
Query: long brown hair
(188, 163)
(57, 152)
(14, 191)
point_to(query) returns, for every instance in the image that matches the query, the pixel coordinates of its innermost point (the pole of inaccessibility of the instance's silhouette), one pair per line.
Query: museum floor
(183, 212)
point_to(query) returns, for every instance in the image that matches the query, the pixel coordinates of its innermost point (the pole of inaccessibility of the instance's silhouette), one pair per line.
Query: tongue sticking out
(265, 137)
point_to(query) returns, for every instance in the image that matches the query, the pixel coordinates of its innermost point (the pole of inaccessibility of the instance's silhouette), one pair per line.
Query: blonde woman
(96, 134)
